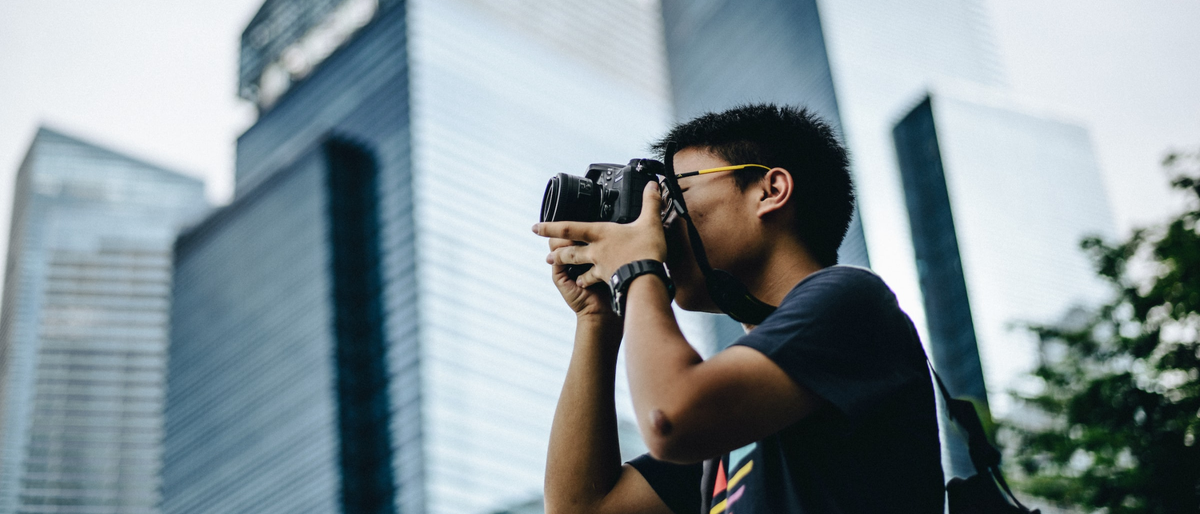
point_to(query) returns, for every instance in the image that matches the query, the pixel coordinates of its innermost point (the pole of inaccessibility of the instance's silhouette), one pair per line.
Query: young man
(826, 406)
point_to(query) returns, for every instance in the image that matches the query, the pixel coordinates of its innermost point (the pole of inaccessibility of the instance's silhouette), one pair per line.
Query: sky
(157, 80)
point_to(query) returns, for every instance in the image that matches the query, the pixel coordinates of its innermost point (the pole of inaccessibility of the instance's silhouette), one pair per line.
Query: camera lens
(571, 198)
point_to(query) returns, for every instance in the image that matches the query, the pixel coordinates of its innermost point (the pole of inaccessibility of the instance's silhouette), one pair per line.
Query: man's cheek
(691, 293)
(679, 254)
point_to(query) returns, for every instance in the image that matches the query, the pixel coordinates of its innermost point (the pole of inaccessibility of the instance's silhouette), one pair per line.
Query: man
(826, 406)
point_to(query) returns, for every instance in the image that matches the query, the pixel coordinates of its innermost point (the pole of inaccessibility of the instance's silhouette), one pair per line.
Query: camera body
(608, 192)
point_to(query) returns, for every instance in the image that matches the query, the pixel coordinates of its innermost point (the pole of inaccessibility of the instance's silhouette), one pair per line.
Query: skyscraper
(999, 199)
(83, 333)
(373, 288)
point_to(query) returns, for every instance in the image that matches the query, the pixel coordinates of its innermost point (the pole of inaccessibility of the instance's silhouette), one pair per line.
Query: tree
(1121, 395)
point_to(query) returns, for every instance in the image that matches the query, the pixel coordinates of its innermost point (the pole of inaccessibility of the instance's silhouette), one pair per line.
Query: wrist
(599, 322)
(599, 336)
(625, 276)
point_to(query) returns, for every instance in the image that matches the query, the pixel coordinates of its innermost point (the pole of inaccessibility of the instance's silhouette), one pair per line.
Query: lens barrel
(571, 198)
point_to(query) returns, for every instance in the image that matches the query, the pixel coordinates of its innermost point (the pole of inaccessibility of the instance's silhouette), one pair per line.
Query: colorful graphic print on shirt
(726, 492)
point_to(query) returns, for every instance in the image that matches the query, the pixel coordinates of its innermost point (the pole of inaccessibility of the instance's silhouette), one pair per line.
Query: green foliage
(1121, 392)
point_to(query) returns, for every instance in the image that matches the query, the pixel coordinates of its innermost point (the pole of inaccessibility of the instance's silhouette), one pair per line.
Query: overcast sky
(156, 79)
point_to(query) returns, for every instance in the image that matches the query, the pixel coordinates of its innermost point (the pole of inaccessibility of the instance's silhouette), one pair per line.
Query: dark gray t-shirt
(873, 447)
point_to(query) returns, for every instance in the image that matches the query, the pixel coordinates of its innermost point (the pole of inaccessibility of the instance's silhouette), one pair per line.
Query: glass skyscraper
(83, 332)
(369, 326)
(999, 198)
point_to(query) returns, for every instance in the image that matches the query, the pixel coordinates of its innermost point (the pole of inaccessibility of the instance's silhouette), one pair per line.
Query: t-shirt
(872, 447)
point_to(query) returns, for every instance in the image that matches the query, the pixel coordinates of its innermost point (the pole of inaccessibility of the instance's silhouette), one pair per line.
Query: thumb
(651, 202)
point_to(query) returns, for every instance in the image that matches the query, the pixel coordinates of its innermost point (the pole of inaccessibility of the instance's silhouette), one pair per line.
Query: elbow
(662, 448)
(659, 437)
(665, 441)
(668, 449)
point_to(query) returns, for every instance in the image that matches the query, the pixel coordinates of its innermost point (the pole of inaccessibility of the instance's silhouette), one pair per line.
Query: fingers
(556, 243)
(569, 255)
(651, 203)
(591, 278)
(569, 230)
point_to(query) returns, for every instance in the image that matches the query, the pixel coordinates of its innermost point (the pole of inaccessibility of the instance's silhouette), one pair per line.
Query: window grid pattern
(251, 422)
(84, 330)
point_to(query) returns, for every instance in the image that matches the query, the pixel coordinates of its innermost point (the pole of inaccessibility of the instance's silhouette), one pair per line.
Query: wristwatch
(619, 283)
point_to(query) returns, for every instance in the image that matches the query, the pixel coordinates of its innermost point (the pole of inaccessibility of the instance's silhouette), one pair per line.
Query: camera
(609, 192)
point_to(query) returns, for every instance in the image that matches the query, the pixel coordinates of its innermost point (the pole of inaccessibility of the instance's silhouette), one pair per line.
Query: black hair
(786, 137)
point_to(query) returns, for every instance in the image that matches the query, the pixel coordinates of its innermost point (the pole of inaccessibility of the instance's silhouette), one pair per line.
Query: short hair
(786, 137)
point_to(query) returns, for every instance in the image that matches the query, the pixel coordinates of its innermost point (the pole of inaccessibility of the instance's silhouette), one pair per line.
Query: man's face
(725, 217)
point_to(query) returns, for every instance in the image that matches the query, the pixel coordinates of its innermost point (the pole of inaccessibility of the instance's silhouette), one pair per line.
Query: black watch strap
(619, 283)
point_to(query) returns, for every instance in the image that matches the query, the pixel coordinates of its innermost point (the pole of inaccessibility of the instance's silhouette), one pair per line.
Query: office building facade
(454, 114)
(83, 332)
(999, 198)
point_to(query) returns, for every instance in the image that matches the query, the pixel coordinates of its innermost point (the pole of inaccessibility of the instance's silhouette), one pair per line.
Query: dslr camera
(609, 192)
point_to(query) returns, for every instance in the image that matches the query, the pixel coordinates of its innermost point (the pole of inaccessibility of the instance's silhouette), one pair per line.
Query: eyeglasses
(672, 195)
(722, 168)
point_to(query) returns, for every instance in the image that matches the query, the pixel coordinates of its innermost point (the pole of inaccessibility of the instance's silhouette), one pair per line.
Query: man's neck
(785, 266)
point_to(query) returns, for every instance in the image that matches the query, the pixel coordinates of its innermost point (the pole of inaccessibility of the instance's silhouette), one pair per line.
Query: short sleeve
(841, 334)
(678, 485)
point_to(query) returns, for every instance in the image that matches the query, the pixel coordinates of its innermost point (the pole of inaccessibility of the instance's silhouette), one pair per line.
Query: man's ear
(775, 190)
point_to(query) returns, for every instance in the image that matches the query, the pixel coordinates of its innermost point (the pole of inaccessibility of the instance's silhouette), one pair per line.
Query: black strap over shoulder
(977, 494)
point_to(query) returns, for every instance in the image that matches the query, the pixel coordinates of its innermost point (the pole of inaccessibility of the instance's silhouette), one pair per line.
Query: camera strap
(979, 491)
(727, 292)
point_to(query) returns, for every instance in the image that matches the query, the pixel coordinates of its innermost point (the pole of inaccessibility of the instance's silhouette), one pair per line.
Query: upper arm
(735, 398)
(631, 494)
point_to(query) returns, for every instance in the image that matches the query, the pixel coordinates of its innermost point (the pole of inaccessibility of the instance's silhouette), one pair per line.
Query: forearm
(659, 359)
(584, 461)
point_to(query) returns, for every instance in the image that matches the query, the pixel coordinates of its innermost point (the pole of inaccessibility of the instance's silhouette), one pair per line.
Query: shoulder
(851, 277)
(841, 334)
(835, 302)
(837, 288)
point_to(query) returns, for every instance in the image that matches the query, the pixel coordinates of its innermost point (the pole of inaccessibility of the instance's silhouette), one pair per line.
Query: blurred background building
(83, 333)
(397, 162)
(998, 198)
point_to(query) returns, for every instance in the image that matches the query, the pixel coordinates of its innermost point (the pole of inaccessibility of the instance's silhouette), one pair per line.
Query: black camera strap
(977, 493)
(727, 292)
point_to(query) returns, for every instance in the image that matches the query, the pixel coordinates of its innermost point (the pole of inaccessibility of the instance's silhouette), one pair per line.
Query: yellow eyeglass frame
(722, 168)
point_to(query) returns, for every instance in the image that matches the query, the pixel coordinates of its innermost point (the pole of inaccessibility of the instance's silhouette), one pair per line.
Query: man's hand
(608, 245)
(594, 301)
